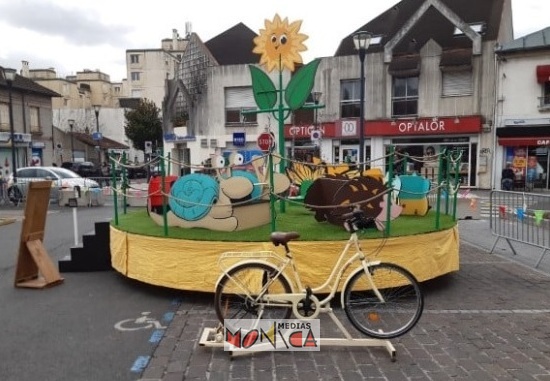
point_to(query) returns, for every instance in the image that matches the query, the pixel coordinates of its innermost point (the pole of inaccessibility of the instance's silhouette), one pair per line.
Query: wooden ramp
(34, 267)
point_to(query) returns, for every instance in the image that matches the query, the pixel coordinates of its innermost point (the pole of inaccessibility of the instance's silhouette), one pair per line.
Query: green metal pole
(439, 178)
(163, 190)
(271, 195)
(390, 184)
(115, 194)
(281, 121)
(124, 183)
(456, 185)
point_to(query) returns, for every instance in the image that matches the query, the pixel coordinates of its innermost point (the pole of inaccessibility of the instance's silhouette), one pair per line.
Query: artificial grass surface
(296, 218)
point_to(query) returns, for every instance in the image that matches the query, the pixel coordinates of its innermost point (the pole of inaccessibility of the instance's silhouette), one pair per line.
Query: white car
(62, 179)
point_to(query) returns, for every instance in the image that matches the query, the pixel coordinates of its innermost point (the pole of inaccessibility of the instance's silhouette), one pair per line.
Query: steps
(93, 255)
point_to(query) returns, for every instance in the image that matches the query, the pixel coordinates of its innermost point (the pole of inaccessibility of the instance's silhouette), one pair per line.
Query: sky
(73, 35)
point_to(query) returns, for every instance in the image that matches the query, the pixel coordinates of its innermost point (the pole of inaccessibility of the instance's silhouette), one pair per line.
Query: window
(134, 58)
(35, 119)
(304, 117)
(457, 83)
(136, 76)
(117, 89)
(237, 100)
(405, 96)
(4, 117)
(545, 99)
(350, 99)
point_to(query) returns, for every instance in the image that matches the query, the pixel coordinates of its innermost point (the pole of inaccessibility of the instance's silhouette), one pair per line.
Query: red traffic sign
(266, 141)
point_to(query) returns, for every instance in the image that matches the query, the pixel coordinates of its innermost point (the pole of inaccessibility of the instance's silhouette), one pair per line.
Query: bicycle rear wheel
(398, 311)
(240, 293)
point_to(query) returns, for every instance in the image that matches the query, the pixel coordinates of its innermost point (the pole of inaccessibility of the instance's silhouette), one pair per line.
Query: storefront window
(423, 159)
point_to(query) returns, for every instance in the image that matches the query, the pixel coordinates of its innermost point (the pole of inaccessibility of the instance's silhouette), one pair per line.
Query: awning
(405, 66)
(543, 73)
(457, 59)
(525, 141)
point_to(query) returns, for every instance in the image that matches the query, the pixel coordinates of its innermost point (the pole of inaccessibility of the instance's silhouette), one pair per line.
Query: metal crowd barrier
(521, 217)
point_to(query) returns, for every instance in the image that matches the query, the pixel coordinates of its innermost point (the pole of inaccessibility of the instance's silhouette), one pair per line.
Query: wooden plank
(34, 267)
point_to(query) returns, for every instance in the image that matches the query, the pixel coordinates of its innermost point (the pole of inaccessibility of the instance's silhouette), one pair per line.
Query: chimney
(175, 37)
(25, 69)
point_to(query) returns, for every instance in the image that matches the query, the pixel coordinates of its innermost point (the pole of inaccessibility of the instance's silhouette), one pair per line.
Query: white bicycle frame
(331, 283)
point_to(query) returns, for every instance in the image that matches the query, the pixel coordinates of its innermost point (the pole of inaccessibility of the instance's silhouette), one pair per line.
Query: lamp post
(9, 76)
(96, 110)
(71, 126)
(361, 40)
(316, 98)
(98, 147)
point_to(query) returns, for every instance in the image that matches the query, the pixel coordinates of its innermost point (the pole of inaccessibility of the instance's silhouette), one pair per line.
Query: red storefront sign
(525, 141)
(424, 126)
(345, 128)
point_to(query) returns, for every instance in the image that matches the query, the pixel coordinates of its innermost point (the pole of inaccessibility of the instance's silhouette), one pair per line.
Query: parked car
(137, 173)
(84, 169)
(62, 179)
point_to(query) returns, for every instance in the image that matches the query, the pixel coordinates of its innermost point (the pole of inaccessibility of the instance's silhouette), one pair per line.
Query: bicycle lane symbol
(142, 322)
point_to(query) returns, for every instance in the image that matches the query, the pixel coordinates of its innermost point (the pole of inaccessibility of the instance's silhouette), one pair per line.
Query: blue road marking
(140, 364)
(168, 317)
(156, 336)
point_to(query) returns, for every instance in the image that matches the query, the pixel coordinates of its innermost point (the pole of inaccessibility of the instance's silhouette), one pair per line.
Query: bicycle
(382, 300)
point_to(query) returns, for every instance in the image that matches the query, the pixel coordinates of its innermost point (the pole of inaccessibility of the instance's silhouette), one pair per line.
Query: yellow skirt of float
(193, 265)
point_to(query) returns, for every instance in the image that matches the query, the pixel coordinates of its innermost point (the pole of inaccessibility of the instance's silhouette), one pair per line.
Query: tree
(144, 124)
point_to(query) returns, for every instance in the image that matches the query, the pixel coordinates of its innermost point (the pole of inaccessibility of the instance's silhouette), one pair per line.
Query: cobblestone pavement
(488, 321)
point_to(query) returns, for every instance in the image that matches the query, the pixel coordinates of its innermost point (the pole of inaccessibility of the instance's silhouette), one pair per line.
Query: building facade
(79, 96)
(522, 111)
(32, 124)
(429, 84)
(148, 69)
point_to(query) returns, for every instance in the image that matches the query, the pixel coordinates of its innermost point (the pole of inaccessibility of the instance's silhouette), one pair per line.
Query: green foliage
(144, 124)
(265, 93)
(300, 85)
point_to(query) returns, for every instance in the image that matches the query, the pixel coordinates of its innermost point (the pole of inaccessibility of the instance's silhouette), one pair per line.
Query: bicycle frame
(331, 283)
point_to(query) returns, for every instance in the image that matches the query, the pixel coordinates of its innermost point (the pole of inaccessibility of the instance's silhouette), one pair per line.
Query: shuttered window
(238, 99)
(35, 119)
(4, 117)
(457, 83)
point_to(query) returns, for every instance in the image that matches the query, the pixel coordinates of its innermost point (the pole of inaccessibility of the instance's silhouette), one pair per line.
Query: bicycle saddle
(282, 238)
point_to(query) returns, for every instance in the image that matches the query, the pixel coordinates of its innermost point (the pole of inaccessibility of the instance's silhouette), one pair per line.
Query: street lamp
(71, 126)
(316, 98)
(98, 147)
(96, 109)
(361, 40)
(9, 76)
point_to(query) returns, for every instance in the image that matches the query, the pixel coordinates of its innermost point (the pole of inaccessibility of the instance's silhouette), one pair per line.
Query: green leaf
(300, 85)
(265, 93)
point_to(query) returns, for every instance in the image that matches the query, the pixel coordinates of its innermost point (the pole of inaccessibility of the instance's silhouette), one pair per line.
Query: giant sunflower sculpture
(280, 43)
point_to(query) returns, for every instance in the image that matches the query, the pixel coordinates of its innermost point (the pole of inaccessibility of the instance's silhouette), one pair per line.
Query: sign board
(148, 147)
(266, 141)
(97, 136)
(239, 139)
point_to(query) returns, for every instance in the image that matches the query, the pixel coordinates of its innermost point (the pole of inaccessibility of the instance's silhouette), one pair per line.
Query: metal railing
(521, 217)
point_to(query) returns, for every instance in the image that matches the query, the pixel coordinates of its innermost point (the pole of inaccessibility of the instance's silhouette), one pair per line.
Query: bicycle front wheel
(394, 311)
(240, 294)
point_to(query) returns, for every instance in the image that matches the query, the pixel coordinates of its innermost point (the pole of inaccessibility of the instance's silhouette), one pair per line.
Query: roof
(27, 85)
(432, 25)
(104, 143)
(234, 46)
(533, 41)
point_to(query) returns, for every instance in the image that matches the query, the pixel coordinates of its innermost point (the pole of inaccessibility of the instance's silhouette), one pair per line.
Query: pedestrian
(105, 172)
(508, 177)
